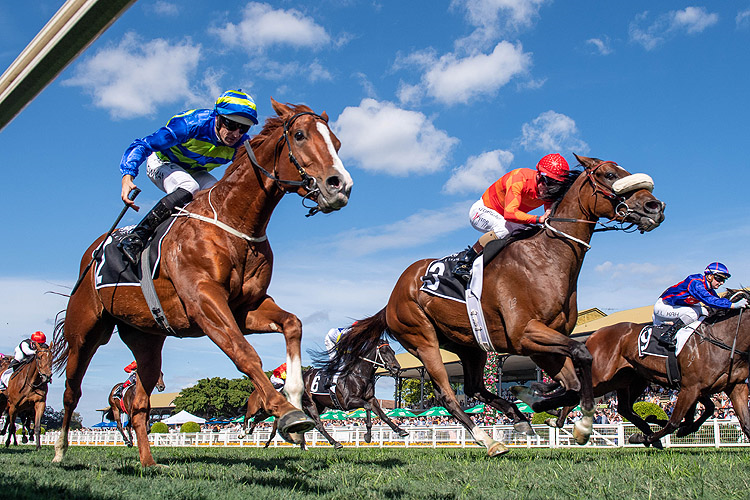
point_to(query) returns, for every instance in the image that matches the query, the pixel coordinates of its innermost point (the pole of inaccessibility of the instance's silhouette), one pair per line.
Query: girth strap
(149, 293)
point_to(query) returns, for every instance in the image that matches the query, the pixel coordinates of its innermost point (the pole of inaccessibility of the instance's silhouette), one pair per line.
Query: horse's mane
(564, 186)
(734, 294)
(361, 339)
(271, 125)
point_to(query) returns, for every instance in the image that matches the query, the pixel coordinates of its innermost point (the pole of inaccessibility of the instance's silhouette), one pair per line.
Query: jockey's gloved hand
(740, 304)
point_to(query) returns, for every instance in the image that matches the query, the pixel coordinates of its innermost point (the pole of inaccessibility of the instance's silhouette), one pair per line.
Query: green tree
(215, 397)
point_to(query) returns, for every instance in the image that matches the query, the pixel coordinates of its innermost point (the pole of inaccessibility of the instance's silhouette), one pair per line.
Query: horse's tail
(110, 415)
(60, 347)
(361, 337)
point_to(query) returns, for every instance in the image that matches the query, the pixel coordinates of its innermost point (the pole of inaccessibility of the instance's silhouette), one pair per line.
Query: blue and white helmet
(717, 268)
(237, 106)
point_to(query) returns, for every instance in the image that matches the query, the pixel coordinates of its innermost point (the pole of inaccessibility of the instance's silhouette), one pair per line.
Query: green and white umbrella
(333, 415)
(241, 418)
(435, 411)
(400, 412)
(361, 413)
(476, 409)
(524, 407)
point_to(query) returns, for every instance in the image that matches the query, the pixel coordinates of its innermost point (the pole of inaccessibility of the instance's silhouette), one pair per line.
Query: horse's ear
(585, 161)
(324, 116)
(281, 109)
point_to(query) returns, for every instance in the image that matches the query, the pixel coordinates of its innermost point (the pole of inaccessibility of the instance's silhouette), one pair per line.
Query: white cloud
(691, 20)
(479, 172)
(453, 80)
(417, 229)
(312, 71)
(602, 45)
(263, 26)
(135, 77)
(551, 131)
(164, 8)
(381, 137)
(743, 19)
(493, 18)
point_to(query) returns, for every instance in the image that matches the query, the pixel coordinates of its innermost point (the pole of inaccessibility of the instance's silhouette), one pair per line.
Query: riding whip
(131, 196)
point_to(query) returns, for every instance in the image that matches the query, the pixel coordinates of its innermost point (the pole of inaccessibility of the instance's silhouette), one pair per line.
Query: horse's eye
(610, 176)
(299, 135)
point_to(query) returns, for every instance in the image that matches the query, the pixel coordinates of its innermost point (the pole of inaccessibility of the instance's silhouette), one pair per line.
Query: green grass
(350, 474)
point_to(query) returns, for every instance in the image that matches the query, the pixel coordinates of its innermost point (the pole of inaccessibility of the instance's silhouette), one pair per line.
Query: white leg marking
(293, 384)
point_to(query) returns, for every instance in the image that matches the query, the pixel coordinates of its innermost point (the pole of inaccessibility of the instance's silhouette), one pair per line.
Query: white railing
(715, 433)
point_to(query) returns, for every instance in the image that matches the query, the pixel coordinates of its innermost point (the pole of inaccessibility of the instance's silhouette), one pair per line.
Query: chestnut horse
(214, 274)
(529, 301)
(355, 389)
(27, 391)
(124, 404)
(714, 359)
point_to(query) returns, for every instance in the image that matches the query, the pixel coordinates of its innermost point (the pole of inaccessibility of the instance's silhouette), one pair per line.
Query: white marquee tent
(183, 417)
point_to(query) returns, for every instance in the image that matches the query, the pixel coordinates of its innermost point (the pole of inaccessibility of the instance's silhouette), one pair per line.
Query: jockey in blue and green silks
(179, 157)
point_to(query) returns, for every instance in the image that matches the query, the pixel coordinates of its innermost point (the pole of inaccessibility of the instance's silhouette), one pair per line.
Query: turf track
(349, 474)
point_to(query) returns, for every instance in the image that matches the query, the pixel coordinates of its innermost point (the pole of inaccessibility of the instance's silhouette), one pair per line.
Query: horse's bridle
(307, 182)
(378, 359)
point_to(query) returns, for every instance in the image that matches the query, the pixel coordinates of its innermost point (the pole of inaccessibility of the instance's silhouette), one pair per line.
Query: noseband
(307, 182)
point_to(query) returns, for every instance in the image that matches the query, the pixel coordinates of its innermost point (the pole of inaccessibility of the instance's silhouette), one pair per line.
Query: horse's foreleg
(380, 413)
(738, 395)
(368, 422)
(11, 426)
(38, 412)
(690, 424)
(685, 400)
(541, 340)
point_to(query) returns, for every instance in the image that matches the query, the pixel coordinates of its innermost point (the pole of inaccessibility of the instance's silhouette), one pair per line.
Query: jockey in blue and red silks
(685, 302)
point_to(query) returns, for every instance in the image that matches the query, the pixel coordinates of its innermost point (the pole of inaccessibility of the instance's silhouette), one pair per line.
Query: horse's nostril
(333, 182)
(653, 206)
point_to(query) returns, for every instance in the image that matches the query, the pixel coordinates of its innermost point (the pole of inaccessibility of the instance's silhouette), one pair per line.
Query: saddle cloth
(440, 281)
(649, 345)
(324, 384)
(113, 269)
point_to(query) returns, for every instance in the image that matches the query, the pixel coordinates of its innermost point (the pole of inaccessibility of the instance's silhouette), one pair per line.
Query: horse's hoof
(294, 422)
(129, 445)
(337, 446)
(552, 422)
(368, 438)
(637, 438)
(583, 428)
(402, 433)
(657, 444)
(525, 428)
(496, 449)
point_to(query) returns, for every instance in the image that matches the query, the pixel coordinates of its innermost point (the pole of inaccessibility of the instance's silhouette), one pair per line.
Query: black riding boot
(132, 244)
(464, 264)
(668, 337)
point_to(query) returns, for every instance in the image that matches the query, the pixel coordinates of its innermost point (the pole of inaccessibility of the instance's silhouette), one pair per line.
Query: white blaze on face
(338, 165)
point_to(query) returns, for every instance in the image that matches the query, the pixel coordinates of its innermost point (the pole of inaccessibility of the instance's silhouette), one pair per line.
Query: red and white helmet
(553, 165)
(39, 337)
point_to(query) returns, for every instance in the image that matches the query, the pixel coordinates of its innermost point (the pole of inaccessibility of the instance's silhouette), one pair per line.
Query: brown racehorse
(706, 365)
(214, 274)
(529, 301)
(124, 404)
(27, 391)
(355, 388)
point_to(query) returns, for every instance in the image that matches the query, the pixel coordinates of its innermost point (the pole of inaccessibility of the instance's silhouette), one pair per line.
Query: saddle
(650, 343)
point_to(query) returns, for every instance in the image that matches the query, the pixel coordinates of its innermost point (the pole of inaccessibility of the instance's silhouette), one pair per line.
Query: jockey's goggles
(232, 125)
(719, 277)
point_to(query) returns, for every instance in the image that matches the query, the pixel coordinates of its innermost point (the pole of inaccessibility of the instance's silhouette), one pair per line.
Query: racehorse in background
(214, 274)
(122, 402)
(355, 388)
(714, 359)
(27, 391)
(529, 301)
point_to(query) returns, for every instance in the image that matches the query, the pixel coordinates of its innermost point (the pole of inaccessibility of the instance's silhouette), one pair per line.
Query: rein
(732, 349)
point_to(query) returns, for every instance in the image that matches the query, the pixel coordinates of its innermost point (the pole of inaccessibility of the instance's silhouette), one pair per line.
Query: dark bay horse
(124, 404)
(27, 391)
(707, 363)
(214, 274)
(355, 388)
(529, 301)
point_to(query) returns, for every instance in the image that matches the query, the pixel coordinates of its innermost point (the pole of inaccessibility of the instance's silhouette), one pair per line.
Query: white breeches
(169, 176)
(664, 312)
(485, 220)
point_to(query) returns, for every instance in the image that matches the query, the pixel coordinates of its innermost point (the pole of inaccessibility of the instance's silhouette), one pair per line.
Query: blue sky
(432, 101)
